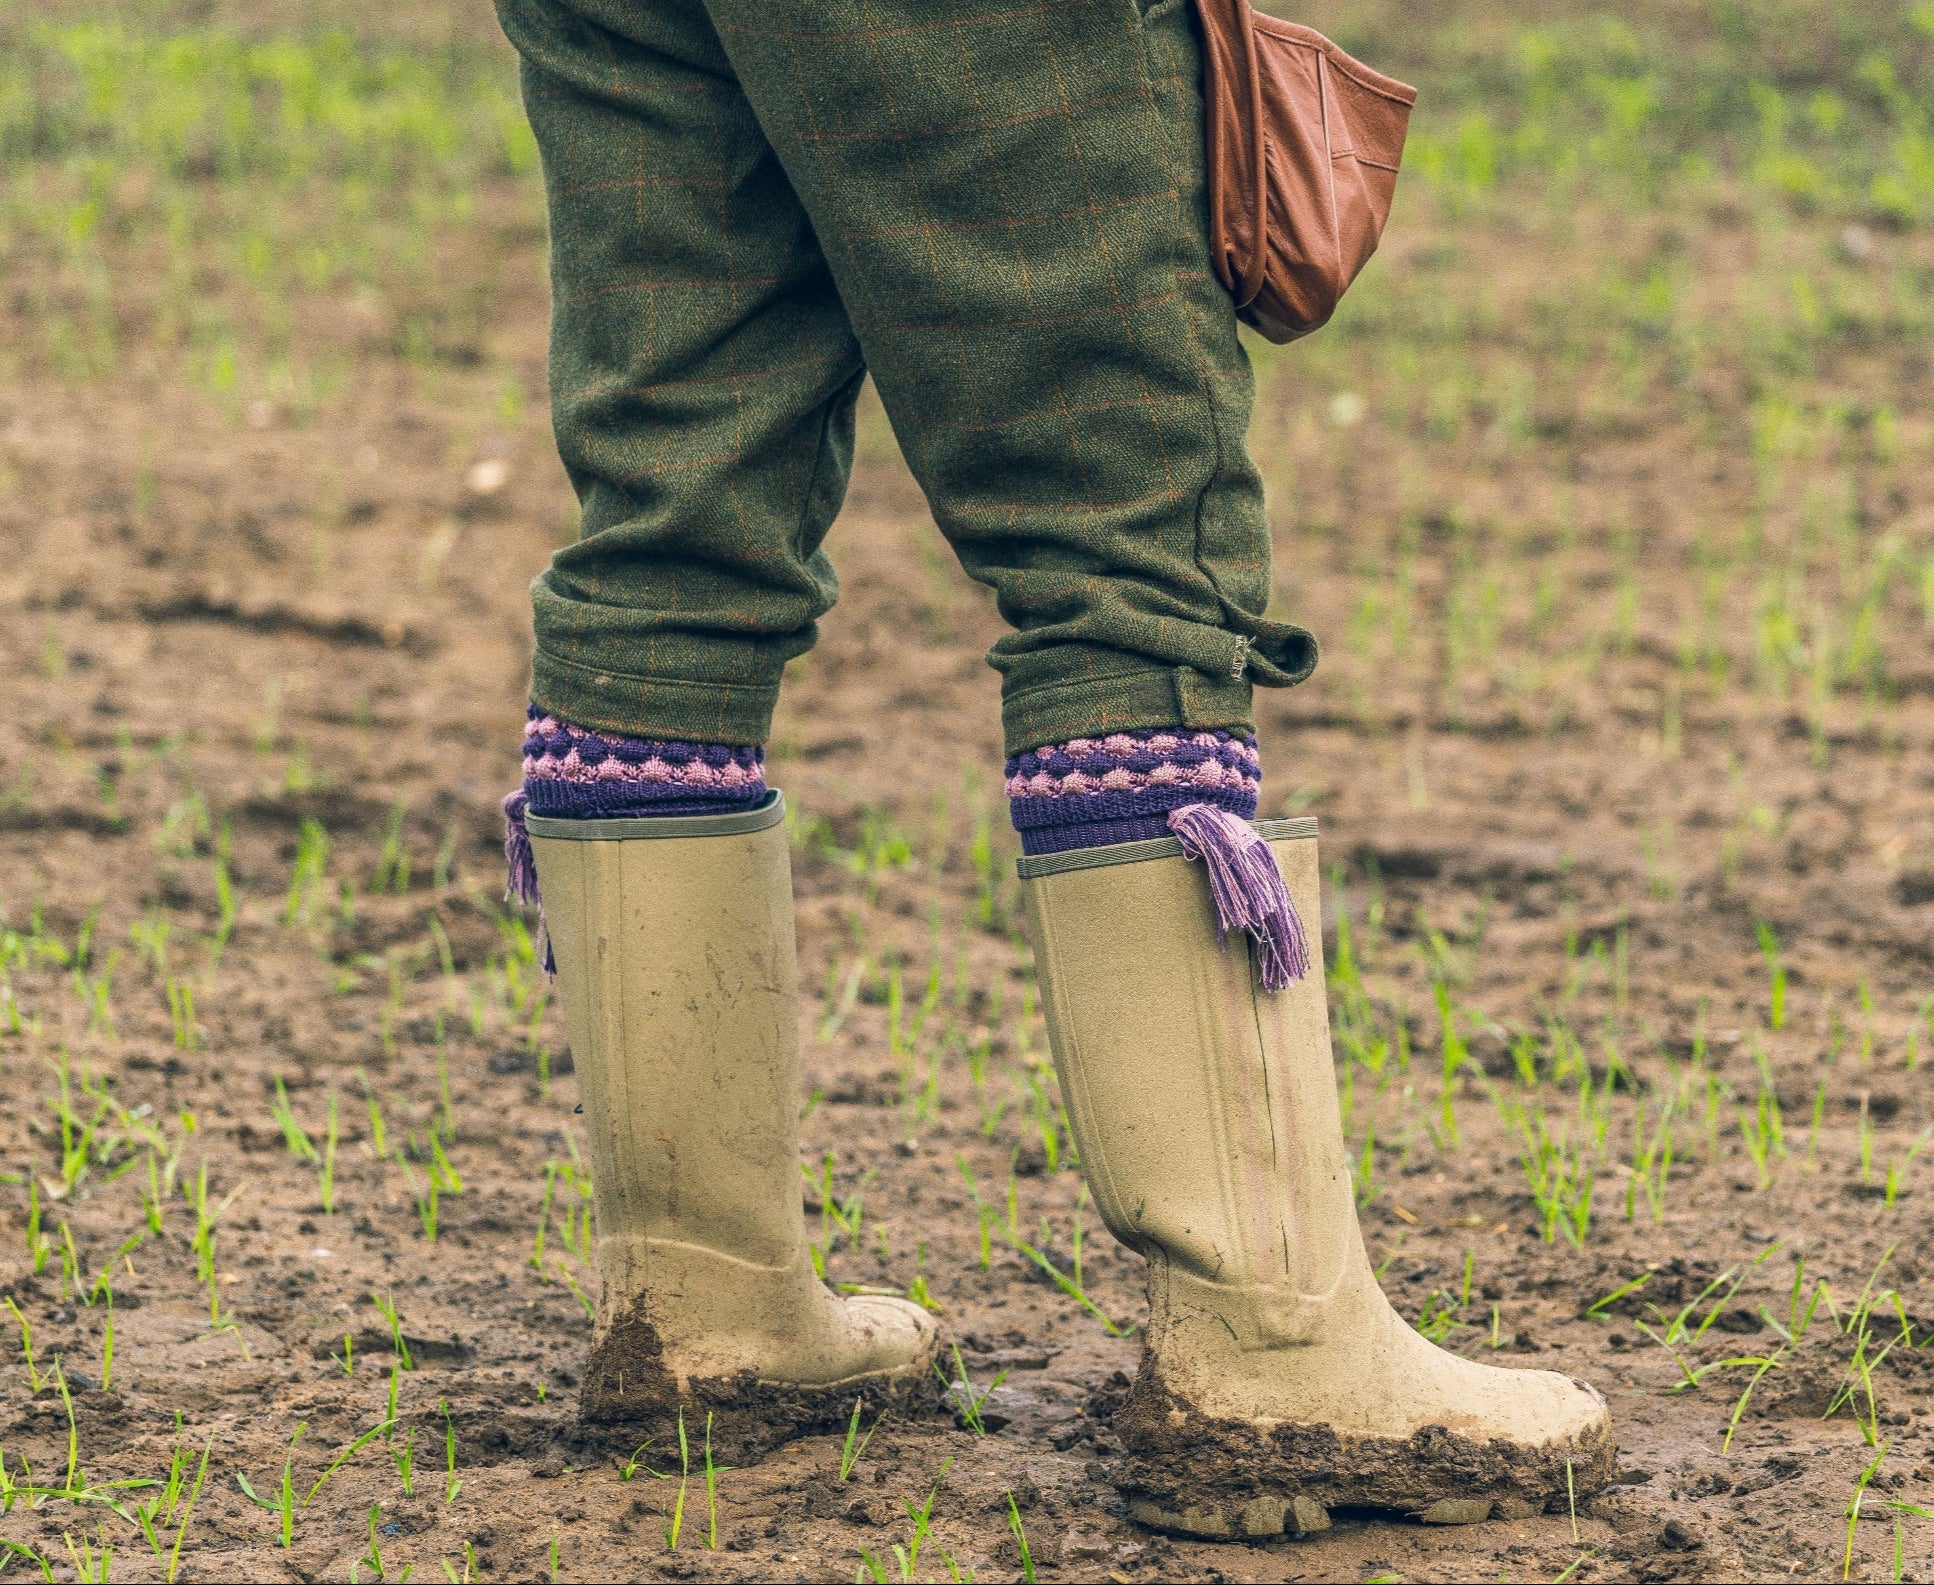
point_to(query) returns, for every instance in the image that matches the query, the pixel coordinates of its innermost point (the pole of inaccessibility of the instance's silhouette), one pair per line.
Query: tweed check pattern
(995, 207)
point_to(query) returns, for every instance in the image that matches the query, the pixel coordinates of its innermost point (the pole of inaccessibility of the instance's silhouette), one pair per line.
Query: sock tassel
(1248, 889)
(522, 865)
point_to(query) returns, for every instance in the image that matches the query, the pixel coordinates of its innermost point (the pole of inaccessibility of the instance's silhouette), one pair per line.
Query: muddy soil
(264, 687)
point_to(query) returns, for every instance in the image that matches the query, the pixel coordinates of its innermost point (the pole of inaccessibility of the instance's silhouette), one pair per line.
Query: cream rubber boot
(1276, 1379)
(674, 944)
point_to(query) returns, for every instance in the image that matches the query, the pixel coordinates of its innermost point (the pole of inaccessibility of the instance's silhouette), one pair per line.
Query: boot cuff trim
(769, 811)
(1036, 865)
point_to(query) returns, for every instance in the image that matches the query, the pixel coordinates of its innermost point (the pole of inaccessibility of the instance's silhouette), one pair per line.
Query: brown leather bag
(1303, 149)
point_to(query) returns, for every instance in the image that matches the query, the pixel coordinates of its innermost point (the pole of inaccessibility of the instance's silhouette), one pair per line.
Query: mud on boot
(1209, 1478)
(871, 1350)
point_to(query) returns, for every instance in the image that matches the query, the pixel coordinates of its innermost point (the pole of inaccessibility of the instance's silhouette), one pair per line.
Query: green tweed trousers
(994, 207)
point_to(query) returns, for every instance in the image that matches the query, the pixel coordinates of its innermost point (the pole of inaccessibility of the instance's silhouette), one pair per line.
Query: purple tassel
(522, 864)
(1249, 890)
(517, 853)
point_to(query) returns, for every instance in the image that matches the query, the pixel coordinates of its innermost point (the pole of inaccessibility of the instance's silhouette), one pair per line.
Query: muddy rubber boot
(674, 944)
(1276, 1381)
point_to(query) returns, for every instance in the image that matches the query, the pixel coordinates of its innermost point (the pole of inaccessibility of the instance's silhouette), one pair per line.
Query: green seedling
(1761, 1365)
(1799, 1318)
(917, 1290)
(373, 1558)
(393, 864)
(224, 897)
(1558, 1170)
(1455, 1056)
(1020, 1539)
(38, 1245)
(1363, 1167)
(37, 1559)
(350, 1449)
(676, 1522)
(90, 1565)
(34, 1378)
(70, 1264)
(326, 1164)
(378, 1132)
(544, 1214)
(966, 1401)
(574, 1225)
(74, 1483)
(399, 1345)
(1651, 1162)
(1050, 1118)
(836, 1216)
(307, 883)
(1854, 1506)
(1679, 1332)
(1897, 1171)
(1769, 946)
(181, 1012)
(284, 1503)
(854, 1447)
(404, 1458)
(1067, 1285)
(1597, 1310)
(293, 1135)
(188, 1512)
(907, 1558)
(451, 1485)
(838, 999)
(160, 1507)
(712, 1473)
(1921, 1024)
(585, 1302)
(440, 1178)
(987, 1215)
(204, 1243)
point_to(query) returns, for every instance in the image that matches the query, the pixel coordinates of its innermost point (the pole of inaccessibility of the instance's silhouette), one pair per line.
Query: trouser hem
(630, 705)
(1134, 699)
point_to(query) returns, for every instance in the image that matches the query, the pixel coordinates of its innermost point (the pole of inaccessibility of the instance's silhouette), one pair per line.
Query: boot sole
(1221, 1480)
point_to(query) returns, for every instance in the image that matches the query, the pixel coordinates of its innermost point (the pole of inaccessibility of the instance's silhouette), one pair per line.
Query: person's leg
(1010, 195)
(703, 374)
(703, 377)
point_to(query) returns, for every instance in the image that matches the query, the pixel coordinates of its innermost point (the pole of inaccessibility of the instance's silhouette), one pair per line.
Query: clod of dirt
(1675, 1537)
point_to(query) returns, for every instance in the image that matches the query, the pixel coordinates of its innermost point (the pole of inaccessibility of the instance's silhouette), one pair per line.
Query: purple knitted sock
(1092, 791)
(574, 773)
(1197, 786)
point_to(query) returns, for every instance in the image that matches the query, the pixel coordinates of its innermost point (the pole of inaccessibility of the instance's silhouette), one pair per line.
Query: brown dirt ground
(326, 621)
